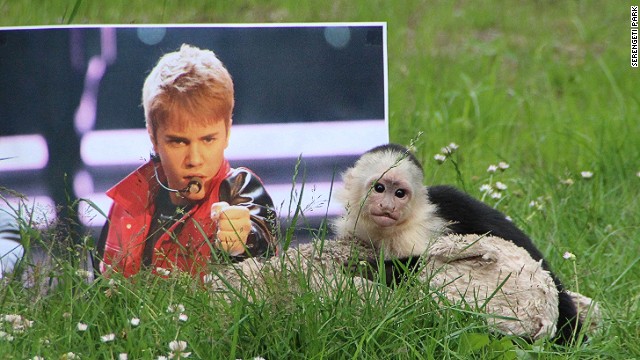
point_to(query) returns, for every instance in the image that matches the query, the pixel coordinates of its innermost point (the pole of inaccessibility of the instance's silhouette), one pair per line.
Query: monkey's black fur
(467, 215)
(400, 150)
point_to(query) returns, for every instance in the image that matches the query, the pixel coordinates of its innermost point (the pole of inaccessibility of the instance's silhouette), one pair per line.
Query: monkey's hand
(234, 225)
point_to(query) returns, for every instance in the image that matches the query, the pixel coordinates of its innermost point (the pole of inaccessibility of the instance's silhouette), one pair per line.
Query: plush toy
(497, 277)
(322, 266)
(485, 273)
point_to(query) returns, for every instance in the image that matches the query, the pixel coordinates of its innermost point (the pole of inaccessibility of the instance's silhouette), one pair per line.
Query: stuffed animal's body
(486, 273)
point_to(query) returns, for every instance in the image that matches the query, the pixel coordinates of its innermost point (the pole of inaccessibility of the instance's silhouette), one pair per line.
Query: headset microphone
(193, 187)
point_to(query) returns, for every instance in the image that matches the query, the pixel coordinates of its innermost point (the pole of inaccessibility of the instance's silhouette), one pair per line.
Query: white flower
(83, 273)
(586, 174)
(69, 356)
(178, 345)
(453, 146)
(6, 336)
(179, 355)
(18, 323)
(108, 337)
(501, 186)
(496, 195)
(162, 271)
(162, 357)
(440, 158)
(12, 318)
(569, 256)
(536, 204)
(123, 356)
(638, 174)
(37, 358)
(492, 168)
(503, 165)
(175, 308)
(568, 181)
(135, 322)
(486, 188)
(82, 326)
(183, 317)
(178, 349)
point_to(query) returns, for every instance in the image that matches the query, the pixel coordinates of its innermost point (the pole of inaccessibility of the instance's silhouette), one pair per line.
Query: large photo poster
(309, 99)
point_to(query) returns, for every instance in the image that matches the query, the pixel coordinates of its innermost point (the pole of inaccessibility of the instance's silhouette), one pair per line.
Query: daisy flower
(178, 349)
(501, 186)
(175, 308)
(440, 158)
(568, 256)
(567, 181)
(586, 174)
(485, 188)
(178, 345)
(18, 323)
(6, 336)
(82, 326)
(108, 337)
(83, 273)
(134, 322)
(162, 271)
(492, 168)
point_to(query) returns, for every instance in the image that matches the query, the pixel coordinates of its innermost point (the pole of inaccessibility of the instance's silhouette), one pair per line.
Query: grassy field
(545, 86)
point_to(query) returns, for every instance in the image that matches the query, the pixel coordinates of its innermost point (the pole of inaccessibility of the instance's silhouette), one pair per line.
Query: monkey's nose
(387, 208)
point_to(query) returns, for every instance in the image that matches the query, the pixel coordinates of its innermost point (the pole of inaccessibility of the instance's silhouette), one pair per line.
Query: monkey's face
(388, 200)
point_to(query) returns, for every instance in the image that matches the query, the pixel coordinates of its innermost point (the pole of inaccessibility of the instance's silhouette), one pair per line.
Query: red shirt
(187, 244)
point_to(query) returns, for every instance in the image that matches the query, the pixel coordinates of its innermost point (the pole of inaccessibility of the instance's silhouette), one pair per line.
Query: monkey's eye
(379, 188)
(400, 193)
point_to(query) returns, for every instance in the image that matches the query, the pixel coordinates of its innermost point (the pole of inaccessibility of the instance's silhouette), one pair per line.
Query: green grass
(545, 86)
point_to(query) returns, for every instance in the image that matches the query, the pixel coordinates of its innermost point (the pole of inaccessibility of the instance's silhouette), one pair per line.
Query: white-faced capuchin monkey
(388, 205)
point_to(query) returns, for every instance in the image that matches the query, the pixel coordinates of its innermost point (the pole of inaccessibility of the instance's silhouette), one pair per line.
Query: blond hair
(191, 82)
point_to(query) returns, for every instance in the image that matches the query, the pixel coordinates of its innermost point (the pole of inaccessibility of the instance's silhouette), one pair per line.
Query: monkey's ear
(348, 179)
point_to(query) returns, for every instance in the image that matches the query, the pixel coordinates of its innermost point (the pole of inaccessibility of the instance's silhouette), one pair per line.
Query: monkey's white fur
(415, 231)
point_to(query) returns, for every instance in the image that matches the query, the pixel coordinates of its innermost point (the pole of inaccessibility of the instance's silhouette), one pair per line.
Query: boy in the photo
(186, 207)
